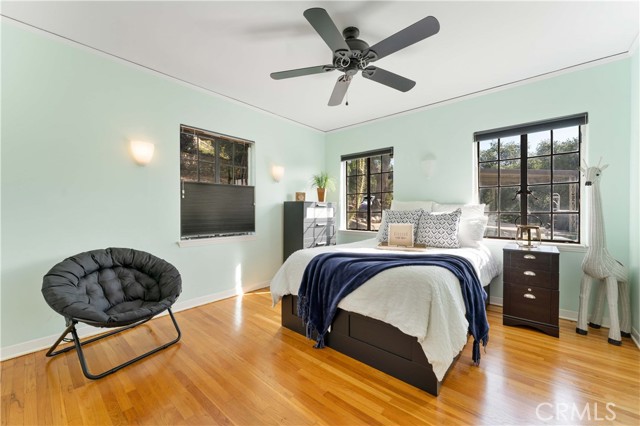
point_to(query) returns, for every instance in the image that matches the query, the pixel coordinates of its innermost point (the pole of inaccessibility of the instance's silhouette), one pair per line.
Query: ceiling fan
(350, 54)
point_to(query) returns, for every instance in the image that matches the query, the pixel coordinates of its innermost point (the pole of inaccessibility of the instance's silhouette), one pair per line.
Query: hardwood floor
(236, 365)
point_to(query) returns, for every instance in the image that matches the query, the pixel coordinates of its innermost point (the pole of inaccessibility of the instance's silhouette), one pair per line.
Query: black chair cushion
(111, 287)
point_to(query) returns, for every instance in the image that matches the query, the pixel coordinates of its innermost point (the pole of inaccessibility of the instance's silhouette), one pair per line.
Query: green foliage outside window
(549, 161)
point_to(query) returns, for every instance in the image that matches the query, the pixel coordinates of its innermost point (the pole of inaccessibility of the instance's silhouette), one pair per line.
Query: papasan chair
(115, 288)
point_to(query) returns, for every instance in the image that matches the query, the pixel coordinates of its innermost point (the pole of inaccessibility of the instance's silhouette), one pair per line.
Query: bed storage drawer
(381, 335)
(363, 338)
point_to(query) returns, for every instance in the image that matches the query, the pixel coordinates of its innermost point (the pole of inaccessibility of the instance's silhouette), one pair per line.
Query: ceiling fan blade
(301, 71)
(412, 34)
(388, 78)
(339, 90)
(324, 26)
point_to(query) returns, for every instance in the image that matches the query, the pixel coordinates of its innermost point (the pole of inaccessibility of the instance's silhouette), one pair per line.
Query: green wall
(634, 191)
(70, 185)
(446, 133)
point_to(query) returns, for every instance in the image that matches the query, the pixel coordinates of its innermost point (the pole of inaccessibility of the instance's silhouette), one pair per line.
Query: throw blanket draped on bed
(329, 277)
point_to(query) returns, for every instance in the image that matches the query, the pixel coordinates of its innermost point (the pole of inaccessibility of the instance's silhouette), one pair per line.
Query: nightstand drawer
(531, 277)
(529, 259)
(531, 303)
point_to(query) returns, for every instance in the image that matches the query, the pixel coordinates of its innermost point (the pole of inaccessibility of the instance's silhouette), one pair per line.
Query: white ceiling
(230, 48)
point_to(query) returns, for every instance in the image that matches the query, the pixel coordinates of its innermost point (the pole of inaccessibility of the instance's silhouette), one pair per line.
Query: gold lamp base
(528, 236)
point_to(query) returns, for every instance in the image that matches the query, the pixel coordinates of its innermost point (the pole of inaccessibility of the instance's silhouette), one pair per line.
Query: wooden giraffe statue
(600, 265)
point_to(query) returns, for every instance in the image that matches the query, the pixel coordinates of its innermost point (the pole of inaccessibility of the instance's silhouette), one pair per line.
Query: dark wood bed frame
(375, 343)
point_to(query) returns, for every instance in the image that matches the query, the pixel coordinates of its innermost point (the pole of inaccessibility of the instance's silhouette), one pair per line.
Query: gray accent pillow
(398, 216)
(439, 229)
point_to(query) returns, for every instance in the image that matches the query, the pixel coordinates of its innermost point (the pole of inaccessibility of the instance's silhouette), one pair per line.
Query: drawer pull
(529, 256)
(320, 225)
(529, 296)
(529, 273)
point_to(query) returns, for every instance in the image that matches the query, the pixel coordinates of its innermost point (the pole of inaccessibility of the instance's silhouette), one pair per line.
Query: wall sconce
(428, 166)
(142, 151)
(277, 172)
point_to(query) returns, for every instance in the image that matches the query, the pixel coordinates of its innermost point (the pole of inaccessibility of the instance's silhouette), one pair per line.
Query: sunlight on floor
(239, 290)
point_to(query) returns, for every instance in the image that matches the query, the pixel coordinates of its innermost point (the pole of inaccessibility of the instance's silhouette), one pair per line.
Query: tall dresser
(308, 224)
(531, 287)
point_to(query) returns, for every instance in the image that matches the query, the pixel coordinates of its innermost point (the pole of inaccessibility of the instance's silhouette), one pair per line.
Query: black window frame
(385, 197)
(220, 141)
(218, 206)
(526, 188)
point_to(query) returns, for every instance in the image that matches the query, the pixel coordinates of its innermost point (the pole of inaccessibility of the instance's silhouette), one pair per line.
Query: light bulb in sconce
(142, 151)
(277, 172)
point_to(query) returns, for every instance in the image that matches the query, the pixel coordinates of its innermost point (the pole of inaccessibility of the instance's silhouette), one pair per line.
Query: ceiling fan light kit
(352, 55)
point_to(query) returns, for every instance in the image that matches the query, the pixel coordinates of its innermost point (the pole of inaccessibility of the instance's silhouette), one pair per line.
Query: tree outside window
(532, 178)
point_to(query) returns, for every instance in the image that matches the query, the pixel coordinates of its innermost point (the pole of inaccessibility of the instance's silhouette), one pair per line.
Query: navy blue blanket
(329, 277)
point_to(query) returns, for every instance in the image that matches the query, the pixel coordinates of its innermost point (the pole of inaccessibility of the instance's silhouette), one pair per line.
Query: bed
(408, 322)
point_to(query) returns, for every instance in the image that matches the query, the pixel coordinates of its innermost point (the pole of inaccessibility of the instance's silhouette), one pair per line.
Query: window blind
(372, 153)
(536, 126)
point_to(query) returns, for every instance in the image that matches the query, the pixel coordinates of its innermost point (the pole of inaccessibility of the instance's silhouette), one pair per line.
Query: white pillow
(439, 229)
(398, 216)
(468, 210)
(411, 205)
(471, 231)
(473, 222)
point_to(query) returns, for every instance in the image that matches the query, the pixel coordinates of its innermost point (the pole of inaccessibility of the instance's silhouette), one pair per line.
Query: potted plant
(322, 182)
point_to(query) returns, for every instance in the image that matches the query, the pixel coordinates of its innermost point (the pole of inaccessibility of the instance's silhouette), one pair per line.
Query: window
(369, 188)
(217, 198)
(530, 174)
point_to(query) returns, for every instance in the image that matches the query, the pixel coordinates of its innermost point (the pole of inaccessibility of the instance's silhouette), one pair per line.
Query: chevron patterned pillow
(439, 229)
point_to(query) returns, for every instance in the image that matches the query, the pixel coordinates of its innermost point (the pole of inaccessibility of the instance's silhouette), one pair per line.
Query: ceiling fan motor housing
(352, 62)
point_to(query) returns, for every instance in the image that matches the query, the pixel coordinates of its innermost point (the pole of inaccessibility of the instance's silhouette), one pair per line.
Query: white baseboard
(573, 316)
(495, 300)
(35, 345)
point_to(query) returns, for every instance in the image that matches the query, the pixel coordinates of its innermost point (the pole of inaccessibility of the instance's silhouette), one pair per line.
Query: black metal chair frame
(71, 328)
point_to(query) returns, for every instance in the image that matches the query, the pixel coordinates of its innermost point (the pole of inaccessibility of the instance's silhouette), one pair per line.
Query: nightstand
(531, 287)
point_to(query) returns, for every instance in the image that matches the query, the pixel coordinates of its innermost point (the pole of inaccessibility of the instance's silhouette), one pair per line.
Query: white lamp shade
(277, 172)
(142, 152)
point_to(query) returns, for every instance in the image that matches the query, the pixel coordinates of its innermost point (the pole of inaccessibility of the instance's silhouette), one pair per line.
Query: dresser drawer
(308, 242)
(531, 303)
(321, 221)
(325, 231)
(531, 277)
(319, 213)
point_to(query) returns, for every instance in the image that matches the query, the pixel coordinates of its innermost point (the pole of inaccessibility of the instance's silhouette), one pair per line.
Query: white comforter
(432, 308)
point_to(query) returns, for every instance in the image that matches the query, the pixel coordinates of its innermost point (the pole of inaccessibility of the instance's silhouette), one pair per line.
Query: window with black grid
(530, 174)
(368, 188)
